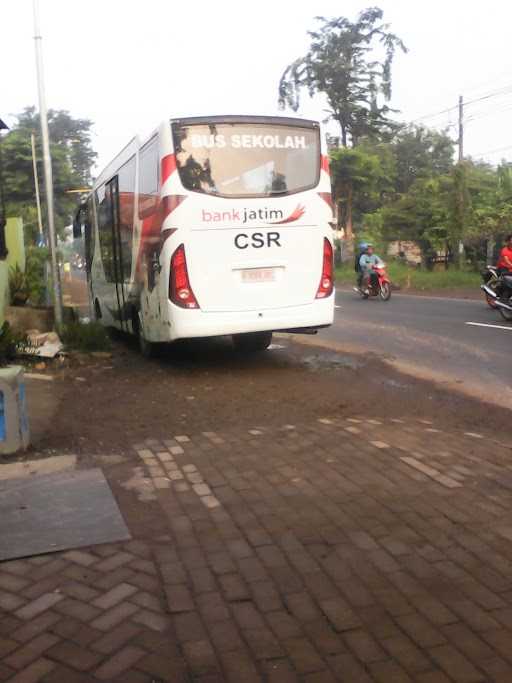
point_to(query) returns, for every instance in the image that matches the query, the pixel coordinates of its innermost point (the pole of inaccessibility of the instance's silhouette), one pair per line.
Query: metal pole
(461, 128)
(48, 179)
(36, 185)
(3, 215)
(461, 181)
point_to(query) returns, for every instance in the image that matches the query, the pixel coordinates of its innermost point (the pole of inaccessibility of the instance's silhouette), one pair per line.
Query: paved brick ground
(356, 550)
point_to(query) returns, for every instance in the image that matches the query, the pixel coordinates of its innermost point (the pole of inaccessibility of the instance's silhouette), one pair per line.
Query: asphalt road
(430, 337)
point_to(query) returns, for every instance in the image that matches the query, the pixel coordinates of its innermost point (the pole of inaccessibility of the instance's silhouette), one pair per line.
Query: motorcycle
(501, 295)
(490, 278)
(379, 284)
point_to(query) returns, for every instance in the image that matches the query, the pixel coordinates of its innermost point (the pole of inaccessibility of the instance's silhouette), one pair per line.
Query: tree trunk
(343, 134)
(349, 233)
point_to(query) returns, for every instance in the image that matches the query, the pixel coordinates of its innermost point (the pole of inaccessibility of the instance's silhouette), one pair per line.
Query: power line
(431, 116)
(492, 151)
(494, 112)
(502, 91)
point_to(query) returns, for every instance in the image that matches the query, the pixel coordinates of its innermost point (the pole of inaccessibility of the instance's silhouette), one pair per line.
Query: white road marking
(498, 327)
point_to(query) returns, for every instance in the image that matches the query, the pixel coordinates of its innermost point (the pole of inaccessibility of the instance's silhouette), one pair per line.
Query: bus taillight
(180, 291)
(327, 280)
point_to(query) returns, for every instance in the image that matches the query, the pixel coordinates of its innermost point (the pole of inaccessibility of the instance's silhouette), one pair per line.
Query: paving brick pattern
(355, 550)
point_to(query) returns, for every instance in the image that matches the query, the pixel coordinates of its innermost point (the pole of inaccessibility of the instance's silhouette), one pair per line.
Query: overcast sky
(127, 64)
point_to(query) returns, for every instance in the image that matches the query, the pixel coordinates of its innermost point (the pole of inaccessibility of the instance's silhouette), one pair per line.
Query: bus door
(118, 275)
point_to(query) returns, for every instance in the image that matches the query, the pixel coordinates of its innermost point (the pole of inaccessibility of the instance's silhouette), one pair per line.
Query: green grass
(416, 278)
(85, 337)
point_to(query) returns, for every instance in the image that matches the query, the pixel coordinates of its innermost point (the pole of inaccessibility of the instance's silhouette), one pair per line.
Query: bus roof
(137, 142)
(244, 118)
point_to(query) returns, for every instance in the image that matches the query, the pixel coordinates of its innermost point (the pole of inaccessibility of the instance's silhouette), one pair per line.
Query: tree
(72, 135)
(359, 177)
(422, 205)
(343, 65)
(72, 158)
(488, 204)
(420, 153)
(421, 215)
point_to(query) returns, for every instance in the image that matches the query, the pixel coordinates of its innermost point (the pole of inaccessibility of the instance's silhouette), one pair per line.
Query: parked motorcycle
(490, 278)
(501, 295)
(378, 285)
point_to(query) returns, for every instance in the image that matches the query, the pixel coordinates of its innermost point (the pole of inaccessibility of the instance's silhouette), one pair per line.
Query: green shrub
(9, 343)
(36, 259)
(85, 337)
(18, 288)
(416, 278)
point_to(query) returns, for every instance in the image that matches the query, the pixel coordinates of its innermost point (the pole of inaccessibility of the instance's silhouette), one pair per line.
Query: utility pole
(48, 178)
(461, 128)
(36, 186)
(3, 214)
(461, 182)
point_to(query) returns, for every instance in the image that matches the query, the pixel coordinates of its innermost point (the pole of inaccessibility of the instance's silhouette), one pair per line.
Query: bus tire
(252, 342)
(146, 347)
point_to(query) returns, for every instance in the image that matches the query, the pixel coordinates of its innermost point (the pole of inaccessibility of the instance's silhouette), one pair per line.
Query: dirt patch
(107, 406)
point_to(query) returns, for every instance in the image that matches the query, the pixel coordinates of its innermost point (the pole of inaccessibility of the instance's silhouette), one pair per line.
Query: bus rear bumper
(190, 324)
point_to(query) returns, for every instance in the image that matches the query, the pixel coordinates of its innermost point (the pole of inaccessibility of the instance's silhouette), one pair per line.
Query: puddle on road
(329, 360)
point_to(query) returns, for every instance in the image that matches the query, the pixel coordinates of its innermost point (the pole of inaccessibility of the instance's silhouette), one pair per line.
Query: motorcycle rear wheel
(385, 291)
(506, 315)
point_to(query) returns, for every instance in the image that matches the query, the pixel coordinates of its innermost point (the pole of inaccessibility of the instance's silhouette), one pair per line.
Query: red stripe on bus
(171, 202)
(325, 164)
(168, 167)
(327, 197)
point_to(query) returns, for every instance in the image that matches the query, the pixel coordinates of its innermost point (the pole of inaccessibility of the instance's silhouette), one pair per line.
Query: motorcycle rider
(504, 265)
(366, 263)
(363, 246)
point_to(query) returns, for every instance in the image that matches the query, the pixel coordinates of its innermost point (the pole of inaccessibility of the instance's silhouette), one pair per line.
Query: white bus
(213, 226)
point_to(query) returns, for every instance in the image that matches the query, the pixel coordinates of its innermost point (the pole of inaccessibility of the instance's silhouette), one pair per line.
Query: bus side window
(126, 179)
(104, 204)
(148, 179)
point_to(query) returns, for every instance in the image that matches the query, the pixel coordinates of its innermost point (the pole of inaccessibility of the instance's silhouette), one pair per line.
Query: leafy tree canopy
(350, 64)
(72, 159)
(420, 153)
(74, 135)
(361, 176)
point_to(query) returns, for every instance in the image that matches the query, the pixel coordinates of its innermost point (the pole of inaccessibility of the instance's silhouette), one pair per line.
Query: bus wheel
(146, 347)
(253, 341)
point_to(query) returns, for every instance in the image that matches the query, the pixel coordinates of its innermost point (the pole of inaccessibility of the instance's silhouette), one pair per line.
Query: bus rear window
(247, 160)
